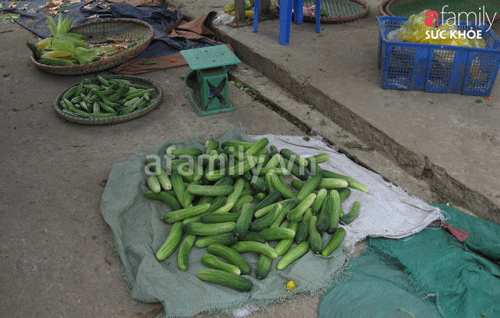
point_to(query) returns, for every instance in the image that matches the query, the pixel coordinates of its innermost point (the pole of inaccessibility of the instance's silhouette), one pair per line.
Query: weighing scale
(208, 78)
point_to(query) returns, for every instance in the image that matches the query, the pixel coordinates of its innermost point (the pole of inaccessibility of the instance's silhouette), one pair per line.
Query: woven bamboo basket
(382, 8)
(156, 99)
(405, 8)
(341, 11)
(138, 32)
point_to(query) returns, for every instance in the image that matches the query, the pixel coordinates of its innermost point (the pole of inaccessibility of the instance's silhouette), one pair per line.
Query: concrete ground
(55, 254)
(451, 141)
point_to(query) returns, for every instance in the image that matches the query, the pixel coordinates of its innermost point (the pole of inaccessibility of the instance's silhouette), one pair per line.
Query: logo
(451, 19)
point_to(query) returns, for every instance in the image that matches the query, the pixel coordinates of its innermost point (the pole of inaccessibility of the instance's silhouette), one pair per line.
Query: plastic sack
(416, 30)
(223, 18)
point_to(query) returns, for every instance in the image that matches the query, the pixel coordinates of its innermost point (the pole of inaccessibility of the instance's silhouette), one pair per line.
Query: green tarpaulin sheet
(138, 230)
(430, 274)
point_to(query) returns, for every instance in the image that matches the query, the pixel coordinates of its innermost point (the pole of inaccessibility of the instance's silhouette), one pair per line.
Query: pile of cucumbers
(241, 197)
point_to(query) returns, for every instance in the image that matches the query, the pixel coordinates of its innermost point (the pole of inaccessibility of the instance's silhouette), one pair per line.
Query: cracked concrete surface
(55, 250)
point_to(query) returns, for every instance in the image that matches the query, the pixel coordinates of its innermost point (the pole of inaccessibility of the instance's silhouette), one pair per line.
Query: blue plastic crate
(437, 68)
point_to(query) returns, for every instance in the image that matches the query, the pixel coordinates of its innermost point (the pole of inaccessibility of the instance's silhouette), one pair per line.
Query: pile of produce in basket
(113, 97)
(64, 48)
(234, 198)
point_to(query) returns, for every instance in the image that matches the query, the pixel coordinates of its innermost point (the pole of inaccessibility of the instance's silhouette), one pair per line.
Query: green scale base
(208, 79)
(200, 111)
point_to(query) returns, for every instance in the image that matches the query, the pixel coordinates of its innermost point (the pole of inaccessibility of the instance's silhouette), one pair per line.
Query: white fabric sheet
(386, 211)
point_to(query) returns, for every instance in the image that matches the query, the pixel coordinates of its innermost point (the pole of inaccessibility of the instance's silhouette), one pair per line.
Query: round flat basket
(340, 11)
(382, 7)
(406, 8)
(156, 98)
(138, 33)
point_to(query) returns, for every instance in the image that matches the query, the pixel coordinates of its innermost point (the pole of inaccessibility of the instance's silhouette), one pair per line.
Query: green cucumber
(287, 205)
(303, 230)
(318, 202)
(254, 149)
(241, 167)
(188, 196)
(322, 157)
(280, 171)
(154, 184)
(215, 204)
(204, 229)
(344, 194)
(270, 187)
(214, 175)
(313, 166)
(293, 255)
(165, 181)
(353, 214)
(274, 161)
(351, 182)
(281, 187)
(210, 260)
(184, 250)
(241, 202)
(178, 186)
(226, 279)
(166, 197)
(174, 152)
(294, 157)
(298, 171)
(334, 220)
(314, 236)
(179, 215)
(260, 196)
(244, 221)
(264, 266)
(252, 236)
(237, 190)
(244, 145)
(325, 215)
(333, 183)
(310, 186)
(210, 190)
(170, 245)
(277, 233)
(231, 256)
(297, 184)
(271, 198)
(210, 145)
(219, 217)
(256, 182)
(337, 239)
(235, 153)
(285, 244)
(226, 239)
(302, 207)
(263, 222)
(256, 247)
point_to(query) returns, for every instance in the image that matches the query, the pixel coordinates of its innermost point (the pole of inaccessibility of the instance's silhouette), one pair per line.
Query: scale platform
(208, 78)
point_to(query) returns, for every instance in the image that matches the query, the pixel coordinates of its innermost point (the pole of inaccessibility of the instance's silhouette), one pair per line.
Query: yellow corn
(56, 54)
(248, 14)
(229, 8)
(43, 43)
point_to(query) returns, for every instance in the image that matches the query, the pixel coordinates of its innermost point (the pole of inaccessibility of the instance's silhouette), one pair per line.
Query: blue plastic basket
(438, 68)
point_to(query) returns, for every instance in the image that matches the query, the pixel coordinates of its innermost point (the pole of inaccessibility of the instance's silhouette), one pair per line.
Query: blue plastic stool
(286, 8)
